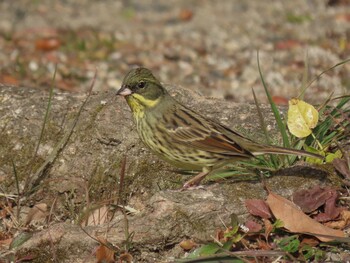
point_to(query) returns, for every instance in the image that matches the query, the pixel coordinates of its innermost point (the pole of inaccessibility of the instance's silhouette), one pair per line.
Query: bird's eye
(141, 84)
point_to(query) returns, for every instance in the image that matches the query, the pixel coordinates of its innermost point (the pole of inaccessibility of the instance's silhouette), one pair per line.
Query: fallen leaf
(287, 44)
(125, 257)
(47, 44)
(343, 222)
(258, 207)
(263, 245)
(97, 217)
(268, 228)
(185, 15)
(280, 100)
(20, 239)
(296, 221)
(9, 80)
(5, 243)
(311, 199)
(302, 117)
(331, 211)
(37, 213)
(104, 254)
(311, 241)
(342, 167)
(187, 244)
(343, 18)
(253, 226)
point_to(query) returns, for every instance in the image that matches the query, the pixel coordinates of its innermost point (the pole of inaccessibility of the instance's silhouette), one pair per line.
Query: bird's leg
(195, 181)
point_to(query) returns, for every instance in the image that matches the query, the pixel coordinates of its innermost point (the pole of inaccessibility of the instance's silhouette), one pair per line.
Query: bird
(181, 136)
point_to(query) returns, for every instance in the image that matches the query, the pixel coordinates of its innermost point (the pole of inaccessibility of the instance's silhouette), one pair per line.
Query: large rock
(80, 171)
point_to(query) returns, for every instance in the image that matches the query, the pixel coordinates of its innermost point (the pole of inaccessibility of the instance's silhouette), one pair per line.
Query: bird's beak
(124, 91)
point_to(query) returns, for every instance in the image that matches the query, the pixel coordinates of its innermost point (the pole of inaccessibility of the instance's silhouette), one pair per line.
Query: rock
(88, 164)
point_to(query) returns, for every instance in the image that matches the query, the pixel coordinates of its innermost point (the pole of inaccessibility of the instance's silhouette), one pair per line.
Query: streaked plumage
(181, 136)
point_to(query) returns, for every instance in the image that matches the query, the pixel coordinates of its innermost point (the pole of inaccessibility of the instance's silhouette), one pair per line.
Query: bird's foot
(194, 183)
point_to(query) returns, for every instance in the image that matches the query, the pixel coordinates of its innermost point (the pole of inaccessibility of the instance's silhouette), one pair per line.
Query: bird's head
(141, 89)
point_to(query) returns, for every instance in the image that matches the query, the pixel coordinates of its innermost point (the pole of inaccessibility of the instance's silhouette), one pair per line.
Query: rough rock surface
(90, 163)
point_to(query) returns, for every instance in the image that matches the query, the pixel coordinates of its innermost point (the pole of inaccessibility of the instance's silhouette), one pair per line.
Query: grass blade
(280, 124)
(46, 117)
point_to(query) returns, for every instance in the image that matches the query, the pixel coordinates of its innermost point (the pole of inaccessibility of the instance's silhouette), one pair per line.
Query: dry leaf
(5, 243)
(187, 244)
(287, 44)
(268, 228)
(103, 253)
(311, 241)
(331, 211)
(279, 100)
(296, 221)
(97, 217)
(342, 223)
(342, 167)
(253, 226)
(263, 245)
(185, 15)
(311, 199)
(302, 117)
(47, 44)
(258, 207)
(125, 257)
(37, 213)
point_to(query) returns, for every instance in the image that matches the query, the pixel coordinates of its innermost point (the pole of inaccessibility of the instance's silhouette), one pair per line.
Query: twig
(18, 192)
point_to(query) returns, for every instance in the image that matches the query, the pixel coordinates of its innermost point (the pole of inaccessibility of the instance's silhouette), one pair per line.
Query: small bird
(183, 137)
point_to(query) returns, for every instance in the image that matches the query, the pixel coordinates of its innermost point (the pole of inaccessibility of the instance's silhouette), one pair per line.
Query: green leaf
(281, 126)
(308, 252)
(289, 244)
(278, 224)
(20, 239)
(313, 150)
(208, 249)
(331, 156)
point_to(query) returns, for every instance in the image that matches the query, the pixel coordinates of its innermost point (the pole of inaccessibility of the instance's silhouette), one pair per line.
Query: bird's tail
(281, 150)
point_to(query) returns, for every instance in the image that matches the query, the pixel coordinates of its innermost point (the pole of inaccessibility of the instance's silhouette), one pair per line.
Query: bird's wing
(190, 129)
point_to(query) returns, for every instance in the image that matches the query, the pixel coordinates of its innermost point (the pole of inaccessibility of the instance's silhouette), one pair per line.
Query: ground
(206, 52)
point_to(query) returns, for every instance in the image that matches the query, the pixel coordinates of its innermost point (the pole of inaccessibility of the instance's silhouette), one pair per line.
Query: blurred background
(209, 46)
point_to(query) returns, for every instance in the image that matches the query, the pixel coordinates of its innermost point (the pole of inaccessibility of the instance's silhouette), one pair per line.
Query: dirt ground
(210, 46)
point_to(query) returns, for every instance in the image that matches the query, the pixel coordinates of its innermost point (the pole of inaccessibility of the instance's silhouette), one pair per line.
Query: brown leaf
(97, 217)
(287, 44)
(343, 18)
(342, 167)
(311, 199)
(47, 44)
(103, 253)
(185, 15)
(263, 245)
(296, 221)
(311, 241)
(5, 243)
(37, 213)
(342, 223)
(8, 79)
(279, 100)
(253, 226)
(219, 234)
(187, 244)
(268, 228)
(331, 212)
(258, 207)
(125, 257)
